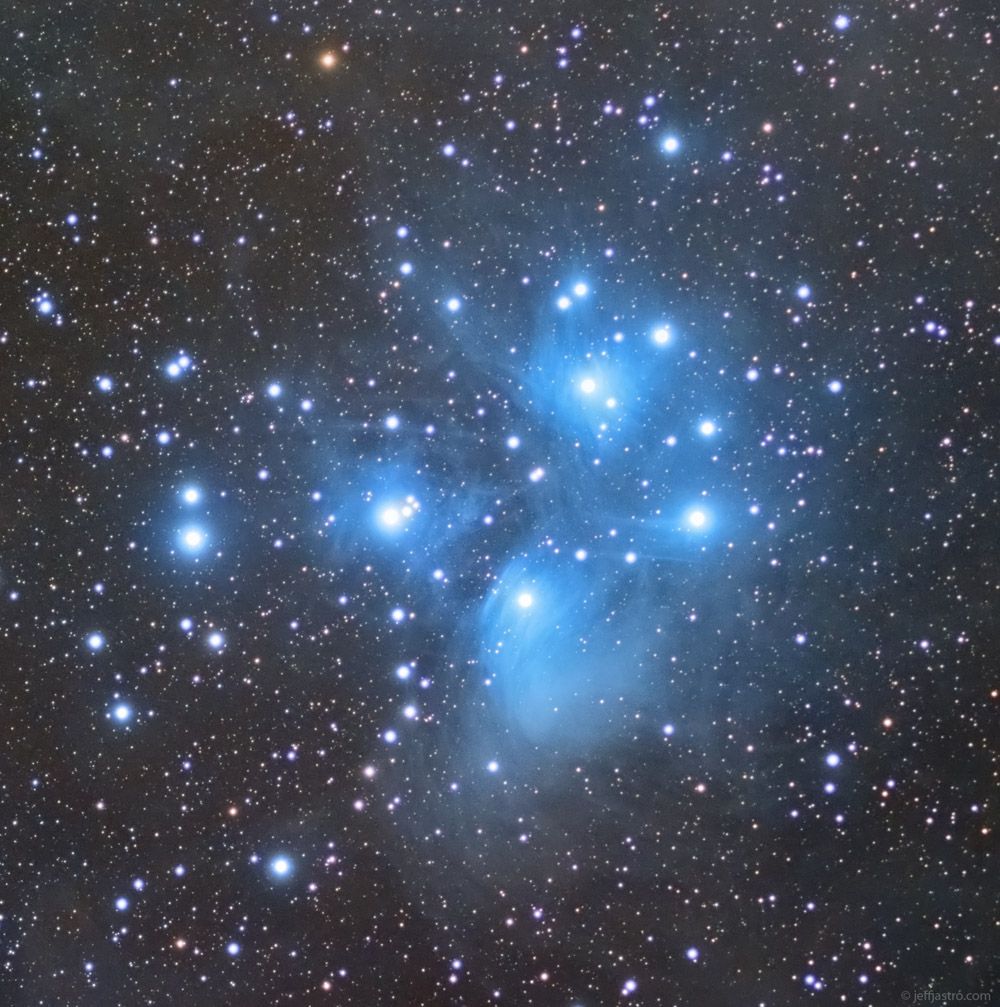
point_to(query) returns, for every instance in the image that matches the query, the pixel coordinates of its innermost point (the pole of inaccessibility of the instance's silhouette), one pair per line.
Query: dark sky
(500, 503)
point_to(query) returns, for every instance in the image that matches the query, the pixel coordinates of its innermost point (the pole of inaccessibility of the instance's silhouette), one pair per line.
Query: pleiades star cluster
(499, 503)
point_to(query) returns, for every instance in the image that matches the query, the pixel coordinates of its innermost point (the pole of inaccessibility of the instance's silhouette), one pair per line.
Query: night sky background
(499, 503)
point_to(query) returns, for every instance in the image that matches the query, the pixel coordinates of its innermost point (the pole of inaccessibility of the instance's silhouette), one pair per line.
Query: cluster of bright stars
(395, 516)
(121, 712)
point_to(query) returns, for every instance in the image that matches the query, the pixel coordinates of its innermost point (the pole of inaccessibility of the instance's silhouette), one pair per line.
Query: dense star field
(500, 503)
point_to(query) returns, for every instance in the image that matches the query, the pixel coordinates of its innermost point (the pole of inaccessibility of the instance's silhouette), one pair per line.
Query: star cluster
(498, 504)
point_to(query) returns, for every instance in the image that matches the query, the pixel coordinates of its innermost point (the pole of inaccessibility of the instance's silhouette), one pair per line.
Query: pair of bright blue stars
(275, 391)
(178, 366)
(193, 538)
(580, 291)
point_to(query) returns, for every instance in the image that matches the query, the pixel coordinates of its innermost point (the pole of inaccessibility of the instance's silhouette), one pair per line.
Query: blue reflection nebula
(562, 649)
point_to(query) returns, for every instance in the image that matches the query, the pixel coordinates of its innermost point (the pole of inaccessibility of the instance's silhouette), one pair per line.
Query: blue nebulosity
(498, 503)
(564, 644)
(613, 471)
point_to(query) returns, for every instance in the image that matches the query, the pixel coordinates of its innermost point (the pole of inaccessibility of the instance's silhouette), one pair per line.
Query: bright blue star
(193, 538)
(96, 641)
(390, 518)
(281, 867)
(671, 144)
(394, 516)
